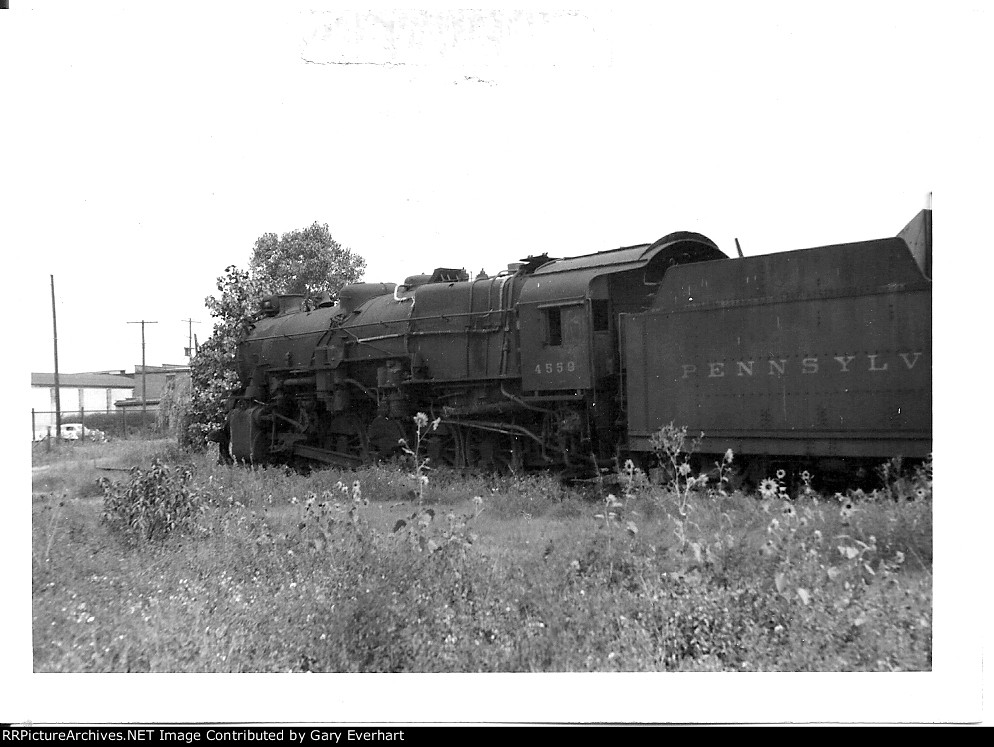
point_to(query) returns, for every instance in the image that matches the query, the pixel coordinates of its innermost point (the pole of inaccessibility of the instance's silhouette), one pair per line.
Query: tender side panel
(840, 366)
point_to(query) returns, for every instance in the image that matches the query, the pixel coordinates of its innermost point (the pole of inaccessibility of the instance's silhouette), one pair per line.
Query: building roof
(96, 380)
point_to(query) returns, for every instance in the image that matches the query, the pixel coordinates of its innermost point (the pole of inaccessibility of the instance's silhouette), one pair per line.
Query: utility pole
(190, 350)
(144, 398)
(55, 342)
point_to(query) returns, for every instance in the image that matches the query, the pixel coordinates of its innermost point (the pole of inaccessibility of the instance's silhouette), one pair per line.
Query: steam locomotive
(816, 358)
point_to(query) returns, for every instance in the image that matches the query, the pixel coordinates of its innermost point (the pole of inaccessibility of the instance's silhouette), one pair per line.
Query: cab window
(553, 327)
(600, 315)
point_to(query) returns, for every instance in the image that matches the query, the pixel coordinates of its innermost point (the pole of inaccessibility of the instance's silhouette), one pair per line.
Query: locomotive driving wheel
(384, 436)
(491, 451)
(348, 436)
(446, 447)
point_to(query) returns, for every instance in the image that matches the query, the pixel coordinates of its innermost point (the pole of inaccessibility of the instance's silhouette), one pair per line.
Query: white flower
(768, 488)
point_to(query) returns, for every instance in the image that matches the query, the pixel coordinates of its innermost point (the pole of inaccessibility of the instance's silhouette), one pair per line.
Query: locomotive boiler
(818, 357)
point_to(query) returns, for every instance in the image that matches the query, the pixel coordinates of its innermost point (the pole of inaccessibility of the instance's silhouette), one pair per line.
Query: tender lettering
(809, 365)
(910, 363)
(844, 361)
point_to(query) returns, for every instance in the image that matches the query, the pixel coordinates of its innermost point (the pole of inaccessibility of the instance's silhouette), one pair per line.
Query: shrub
(156, 502)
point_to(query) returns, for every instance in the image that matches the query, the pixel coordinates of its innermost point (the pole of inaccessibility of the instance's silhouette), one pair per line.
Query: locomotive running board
(327, 456)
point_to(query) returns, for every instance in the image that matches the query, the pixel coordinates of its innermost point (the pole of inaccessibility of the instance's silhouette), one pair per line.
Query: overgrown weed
(342, 571)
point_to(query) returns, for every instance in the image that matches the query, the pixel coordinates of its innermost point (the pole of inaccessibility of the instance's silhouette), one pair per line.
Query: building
(155, 380)
(99, 392)
(78, 392)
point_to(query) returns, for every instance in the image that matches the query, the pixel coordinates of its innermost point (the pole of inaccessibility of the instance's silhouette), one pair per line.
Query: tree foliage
(174, 403)
(307, 261)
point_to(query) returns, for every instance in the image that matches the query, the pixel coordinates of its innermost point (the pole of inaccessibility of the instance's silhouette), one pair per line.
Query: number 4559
(559, 367)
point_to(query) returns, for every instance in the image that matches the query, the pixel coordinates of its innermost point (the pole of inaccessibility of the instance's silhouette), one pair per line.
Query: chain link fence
(95, 425)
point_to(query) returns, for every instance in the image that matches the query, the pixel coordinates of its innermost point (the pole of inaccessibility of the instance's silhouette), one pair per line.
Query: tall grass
(342, 570)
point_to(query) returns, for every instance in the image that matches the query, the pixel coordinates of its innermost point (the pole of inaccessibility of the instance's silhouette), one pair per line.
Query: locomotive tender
(816, 357)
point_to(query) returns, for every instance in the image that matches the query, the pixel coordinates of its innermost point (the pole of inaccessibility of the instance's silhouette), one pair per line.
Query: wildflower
(781, 474)
(788, 511)
(899, 557)
(685, 469)
(729, 455)
(806, 476)
(356, 491)
(421, 420)
(435, 423)
(920, 493)
(478, 500)
(293, 500)
(847, 510)
(768, 488)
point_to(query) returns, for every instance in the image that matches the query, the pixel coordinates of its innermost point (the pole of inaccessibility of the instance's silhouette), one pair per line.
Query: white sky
(151, 151)
(144, 152)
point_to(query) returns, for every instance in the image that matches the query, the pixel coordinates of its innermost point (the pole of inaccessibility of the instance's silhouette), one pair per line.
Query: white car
(73, 432)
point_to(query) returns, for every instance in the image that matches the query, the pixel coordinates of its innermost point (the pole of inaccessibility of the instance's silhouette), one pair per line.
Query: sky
(144, 152)
(153, 151)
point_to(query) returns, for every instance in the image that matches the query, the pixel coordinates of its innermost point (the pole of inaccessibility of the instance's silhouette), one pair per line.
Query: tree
(307, 261)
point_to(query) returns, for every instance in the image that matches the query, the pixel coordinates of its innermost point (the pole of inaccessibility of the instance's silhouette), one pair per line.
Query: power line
(144, 398)
(191, 349)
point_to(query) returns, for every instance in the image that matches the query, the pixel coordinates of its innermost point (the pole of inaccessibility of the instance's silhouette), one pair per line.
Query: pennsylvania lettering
(775, 366)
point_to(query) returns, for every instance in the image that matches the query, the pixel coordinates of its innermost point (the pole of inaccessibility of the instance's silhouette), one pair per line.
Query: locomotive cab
(568, 310)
